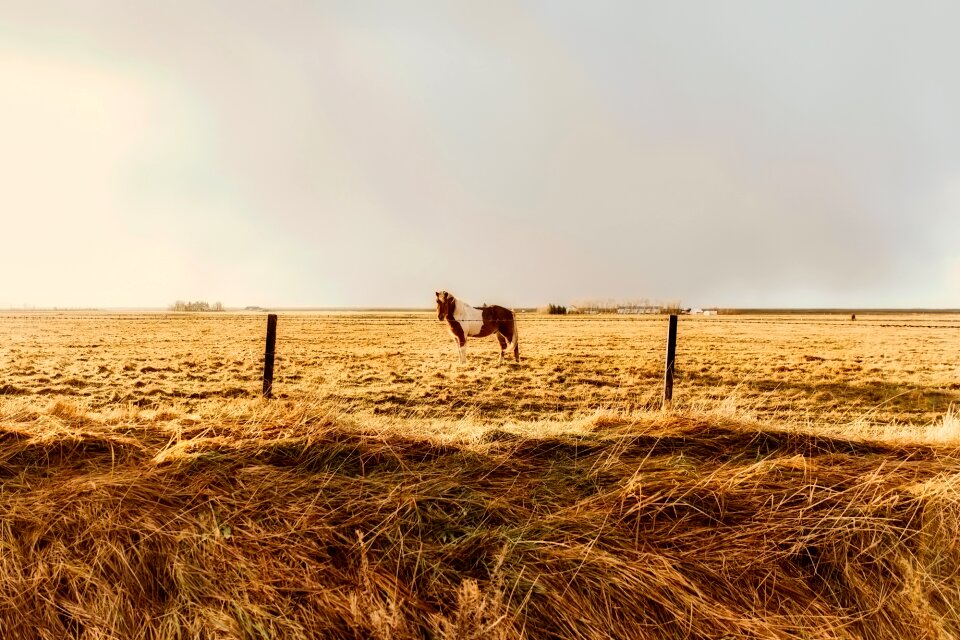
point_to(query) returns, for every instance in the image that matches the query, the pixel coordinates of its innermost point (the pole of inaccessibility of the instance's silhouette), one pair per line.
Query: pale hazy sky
(353, 153)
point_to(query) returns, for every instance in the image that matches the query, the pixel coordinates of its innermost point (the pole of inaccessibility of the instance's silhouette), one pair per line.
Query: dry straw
(285, 521)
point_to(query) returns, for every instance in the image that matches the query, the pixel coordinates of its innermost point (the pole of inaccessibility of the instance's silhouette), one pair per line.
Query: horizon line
(260, 309)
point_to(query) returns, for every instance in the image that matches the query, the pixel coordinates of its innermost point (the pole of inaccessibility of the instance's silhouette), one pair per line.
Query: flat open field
(805, 484)
(810, 369)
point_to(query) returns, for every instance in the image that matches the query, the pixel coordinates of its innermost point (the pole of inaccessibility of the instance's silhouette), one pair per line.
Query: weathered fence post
(671, 356)
(268, 355)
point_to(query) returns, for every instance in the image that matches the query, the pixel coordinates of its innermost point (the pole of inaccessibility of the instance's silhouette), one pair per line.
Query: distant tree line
(556, 310)
(199, 305)
(629, 306)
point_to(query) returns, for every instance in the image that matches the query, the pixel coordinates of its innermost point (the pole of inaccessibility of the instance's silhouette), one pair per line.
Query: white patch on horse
(470, 319)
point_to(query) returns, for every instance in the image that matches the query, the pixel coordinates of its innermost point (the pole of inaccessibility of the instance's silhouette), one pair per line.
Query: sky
(366, 154)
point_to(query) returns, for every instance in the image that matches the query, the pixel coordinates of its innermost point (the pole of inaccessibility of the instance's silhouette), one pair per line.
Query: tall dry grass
(294, 520)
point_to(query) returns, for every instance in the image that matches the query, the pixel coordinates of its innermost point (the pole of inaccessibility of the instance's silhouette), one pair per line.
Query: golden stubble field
(817, 370)
(805, 483)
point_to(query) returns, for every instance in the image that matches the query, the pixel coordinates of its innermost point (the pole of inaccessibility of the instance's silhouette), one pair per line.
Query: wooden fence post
(268, 355)
(671, 357)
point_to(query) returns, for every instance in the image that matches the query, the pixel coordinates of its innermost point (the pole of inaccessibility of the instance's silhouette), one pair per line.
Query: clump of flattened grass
(300, 527)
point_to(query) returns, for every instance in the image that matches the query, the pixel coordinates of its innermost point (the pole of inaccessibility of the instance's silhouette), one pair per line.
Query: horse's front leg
(461, 348)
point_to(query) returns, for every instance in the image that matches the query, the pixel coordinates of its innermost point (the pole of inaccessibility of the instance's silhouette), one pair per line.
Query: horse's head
(445, 305)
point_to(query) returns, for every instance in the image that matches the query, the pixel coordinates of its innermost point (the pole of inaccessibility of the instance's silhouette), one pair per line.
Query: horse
(464, 321)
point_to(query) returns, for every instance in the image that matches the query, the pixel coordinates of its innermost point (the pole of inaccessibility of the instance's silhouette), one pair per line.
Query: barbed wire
(405, 318)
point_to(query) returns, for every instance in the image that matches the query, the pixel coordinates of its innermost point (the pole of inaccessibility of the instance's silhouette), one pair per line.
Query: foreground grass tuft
(291, 521)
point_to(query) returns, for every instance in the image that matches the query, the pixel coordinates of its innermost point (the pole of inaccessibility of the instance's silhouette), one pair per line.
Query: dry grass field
(820, 369)
(803, 485)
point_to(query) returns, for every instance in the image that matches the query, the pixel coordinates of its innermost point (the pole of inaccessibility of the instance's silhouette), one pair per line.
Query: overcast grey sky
(354, 153)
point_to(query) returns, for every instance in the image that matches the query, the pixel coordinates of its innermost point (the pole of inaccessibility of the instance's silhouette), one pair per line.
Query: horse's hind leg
(509, 332)
(503, 346)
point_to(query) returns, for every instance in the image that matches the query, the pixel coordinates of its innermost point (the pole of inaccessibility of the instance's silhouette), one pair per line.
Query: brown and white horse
(465, 321)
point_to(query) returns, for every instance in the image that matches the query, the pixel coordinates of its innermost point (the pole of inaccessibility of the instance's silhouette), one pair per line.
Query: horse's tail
(515, 340)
